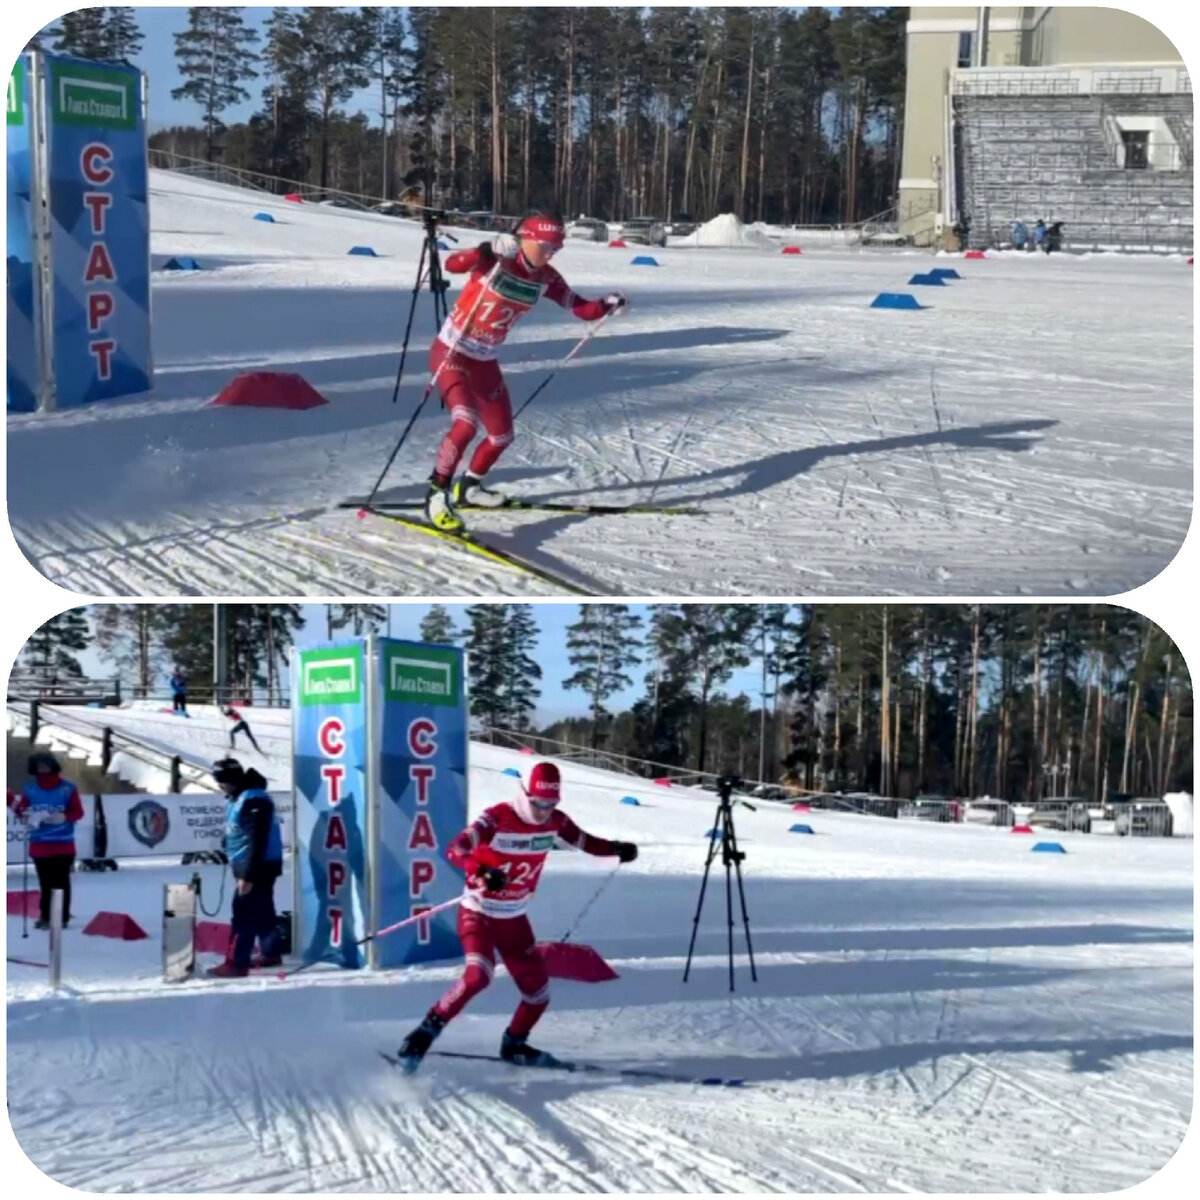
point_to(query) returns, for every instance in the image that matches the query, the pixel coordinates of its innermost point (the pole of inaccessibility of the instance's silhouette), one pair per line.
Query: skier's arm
(570, 833)
(478, 257)
(470, 851)
(585, 310)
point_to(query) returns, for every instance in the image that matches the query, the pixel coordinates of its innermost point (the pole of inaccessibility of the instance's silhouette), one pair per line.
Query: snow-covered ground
(937, 1009)
(1029, 432)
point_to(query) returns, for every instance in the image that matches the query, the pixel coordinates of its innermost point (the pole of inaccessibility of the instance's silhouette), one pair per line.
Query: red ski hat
(541, 227)
(544, 783)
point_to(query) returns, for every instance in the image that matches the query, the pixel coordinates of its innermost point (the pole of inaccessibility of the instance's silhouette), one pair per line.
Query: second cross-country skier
(503, 852)
(470, 382)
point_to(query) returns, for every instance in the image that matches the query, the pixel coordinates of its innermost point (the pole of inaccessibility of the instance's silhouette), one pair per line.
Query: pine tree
(122, 37)
(361, 618)
(187, 639)
(484, 638)
(131, 637)
(215, 57)
(334, 46)
(601, 645)
(50, 651)
(437, 626)
(704, 644)
(82, 33)
(521, 669)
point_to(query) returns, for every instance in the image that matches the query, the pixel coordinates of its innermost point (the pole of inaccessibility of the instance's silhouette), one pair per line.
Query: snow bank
(727, 232)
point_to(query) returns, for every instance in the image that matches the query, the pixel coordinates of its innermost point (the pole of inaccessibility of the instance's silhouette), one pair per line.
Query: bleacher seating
(1054, 156)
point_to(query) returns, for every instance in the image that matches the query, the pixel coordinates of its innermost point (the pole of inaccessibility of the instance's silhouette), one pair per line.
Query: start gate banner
(24, 308)
(98, 182)
(331, 767)
(421, 699)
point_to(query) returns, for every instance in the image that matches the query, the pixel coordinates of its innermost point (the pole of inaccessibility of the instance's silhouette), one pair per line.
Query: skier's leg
(257, 747)
(475, 931)
(476, 936)
(496, 412)
(518, 948)
(458, 396)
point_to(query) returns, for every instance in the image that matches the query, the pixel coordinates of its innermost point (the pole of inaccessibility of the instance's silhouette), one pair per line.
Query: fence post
(175, 765)
(106, 749)
(56, 920)
(117, 681)
(33, 720)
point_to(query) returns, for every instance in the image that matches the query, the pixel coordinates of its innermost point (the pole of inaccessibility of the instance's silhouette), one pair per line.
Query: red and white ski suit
(491, 923)
(471, 383)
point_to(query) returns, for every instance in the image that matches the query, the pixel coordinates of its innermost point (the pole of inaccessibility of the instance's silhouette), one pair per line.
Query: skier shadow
(756, 475)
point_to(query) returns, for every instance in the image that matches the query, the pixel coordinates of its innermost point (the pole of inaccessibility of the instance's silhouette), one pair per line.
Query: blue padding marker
(1050, 848)
(896, 300)
(264, 217)
(801, 829)
(365, 250)
(645, 260)
(631, 800)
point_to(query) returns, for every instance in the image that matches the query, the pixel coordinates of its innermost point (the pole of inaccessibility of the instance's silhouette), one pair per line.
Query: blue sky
(552, 619)
(157, 59)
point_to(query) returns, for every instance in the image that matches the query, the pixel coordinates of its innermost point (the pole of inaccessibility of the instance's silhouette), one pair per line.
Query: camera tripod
(438, 284)
(724, 833)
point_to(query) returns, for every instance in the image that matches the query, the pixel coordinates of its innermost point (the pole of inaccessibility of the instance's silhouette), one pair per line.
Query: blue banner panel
(421, 697)
(99, 229)
(330, 777)
(24, 371)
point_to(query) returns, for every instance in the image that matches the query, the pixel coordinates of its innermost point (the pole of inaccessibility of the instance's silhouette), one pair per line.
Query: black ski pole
(25, 883)
(579, 345)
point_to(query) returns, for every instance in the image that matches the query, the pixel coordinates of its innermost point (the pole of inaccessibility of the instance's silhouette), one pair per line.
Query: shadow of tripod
(724, 833)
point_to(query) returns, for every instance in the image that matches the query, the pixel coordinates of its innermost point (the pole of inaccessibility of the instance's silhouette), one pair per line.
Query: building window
(964, 49)
(1136, 143)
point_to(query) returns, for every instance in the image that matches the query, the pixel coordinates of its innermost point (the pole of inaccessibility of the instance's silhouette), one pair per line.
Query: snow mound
(727, 231)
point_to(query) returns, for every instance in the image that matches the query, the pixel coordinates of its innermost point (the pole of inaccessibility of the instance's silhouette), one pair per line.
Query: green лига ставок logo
(16, 95)
(422, 675)
(101, 97)
(331, 675)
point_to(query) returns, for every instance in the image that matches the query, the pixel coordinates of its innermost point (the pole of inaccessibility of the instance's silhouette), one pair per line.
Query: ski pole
(593, 329)
(566, 937)
(433, 381)
(25, 882)
(421, 916)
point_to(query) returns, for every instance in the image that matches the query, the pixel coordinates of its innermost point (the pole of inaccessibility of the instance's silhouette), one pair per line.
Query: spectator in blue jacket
(1039, 235)
(179, 687)
(254, 847)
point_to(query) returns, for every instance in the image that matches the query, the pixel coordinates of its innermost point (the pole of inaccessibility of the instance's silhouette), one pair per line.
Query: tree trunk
(1162, 723)
(741, 200)
(974, 715)
(885, 720)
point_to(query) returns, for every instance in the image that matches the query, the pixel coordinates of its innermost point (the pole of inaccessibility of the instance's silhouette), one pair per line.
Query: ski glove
(487, 256)
(492, 879)
(505, 245)
(626, 851)
(614, 302)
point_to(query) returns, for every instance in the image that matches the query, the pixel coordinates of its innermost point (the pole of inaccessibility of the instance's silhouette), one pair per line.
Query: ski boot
(41, 923)
(516, 1050)
(469, 492)
(414, 1047)
(439, 510)
(227, 970)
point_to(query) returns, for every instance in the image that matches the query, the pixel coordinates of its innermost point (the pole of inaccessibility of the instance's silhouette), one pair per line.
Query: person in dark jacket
(50, 806)
(179, 687)
(254, 847)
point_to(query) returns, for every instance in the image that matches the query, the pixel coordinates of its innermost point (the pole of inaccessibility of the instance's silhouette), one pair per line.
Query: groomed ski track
(1029, 433)
(938, 1009)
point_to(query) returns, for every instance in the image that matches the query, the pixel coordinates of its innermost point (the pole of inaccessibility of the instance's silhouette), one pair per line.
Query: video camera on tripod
(732, 857)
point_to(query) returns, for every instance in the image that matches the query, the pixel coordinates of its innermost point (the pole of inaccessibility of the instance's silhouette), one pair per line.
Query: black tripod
(438, 285)
(724, 833)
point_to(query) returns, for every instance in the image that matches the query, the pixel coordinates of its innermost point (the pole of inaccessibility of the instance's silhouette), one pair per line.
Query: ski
(585, 510)
(474, 545)
(571, 1065)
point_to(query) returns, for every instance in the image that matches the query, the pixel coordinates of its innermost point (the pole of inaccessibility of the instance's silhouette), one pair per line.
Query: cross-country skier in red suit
(471, 383)
(503, 852)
